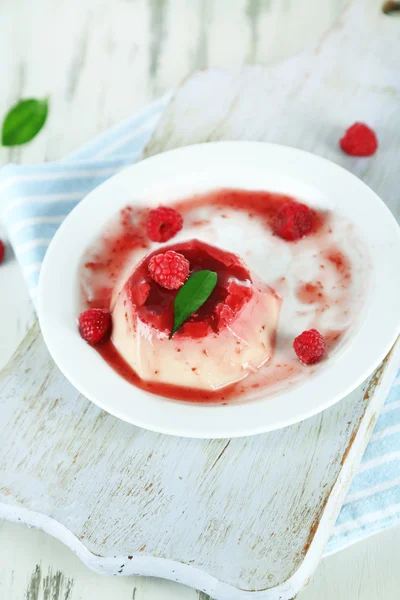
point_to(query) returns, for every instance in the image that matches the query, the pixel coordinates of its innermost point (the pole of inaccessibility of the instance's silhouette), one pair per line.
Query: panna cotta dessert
(172, 307)
(229, 337)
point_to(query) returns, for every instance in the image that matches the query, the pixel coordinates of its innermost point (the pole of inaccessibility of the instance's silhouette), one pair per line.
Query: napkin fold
(35, 199)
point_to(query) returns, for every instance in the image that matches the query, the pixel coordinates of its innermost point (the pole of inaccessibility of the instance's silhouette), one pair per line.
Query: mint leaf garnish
(194, 292)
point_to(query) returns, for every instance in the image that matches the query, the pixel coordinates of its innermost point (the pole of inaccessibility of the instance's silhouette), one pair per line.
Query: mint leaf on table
(192, 295)
(23, 121)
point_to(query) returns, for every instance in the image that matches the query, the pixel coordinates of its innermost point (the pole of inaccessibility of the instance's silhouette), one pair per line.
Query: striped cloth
(34, 200)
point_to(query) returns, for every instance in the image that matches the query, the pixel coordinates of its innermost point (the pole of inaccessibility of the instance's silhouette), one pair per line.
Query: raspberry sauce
(315, 276)
(154, 304)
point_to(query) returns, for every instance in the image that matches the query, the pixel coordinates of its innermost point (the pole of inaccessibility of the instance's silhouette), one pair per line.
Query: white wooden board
(229, 517)
(245, 518)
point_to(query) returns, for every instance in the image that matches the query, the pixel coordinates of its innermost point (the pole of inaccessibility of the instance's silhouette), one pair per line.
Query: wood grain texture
(218, 509)
(105, 468)
(365, 571)
(101, 61)
(306, 101)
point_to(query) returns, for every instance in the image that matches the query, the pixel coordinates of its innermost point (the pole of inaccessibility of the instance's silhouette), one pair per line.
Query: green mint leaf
(192, 295)
(23, 121)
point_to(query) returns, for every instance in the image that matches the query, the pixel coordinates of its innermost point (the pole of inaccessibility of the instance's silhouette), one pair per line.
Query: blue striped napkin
(34, 200)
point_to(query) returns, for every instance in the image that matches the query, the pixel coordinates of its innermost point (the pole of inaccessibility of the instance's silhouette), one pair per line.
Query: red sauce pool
(104, 265)
(256, 204)
(128, 236)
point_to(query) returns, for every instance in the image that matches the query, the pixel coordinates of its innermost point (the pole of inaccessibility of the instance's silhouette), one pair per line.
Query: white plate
(247, 165)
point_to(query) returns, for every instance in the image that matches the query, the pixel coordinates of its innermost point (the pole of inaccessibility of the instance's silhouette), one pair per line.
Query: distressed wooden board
(306, 101)
(120, 55)
(241, 518)
(34, 566)
(228, 517)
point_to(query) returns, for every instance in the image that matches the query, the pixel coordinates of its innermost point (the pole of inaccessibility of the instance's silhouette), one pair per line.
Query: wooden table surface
(100, 61)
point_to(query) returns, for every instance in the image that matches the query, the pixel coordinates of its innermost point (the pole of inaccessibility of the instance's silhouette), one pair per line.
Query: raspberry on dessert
(309, 346)
(226, 311)
(169, 269)
(138, 292)
(2, 251)
(196, 329)
(95, 325)
(224, 315)
(293, 221)
(163, 223)
(359, 140)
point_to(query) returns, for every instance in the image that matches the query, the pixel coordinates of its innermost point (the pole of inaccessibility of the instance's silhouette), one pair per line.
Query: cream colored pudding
(232, 335)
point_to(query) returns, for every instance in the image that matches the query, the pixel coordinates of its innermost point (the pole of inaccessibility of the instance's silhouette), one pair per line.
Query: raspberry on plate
(163, 223)
(95, 325)
(309, 346)
(169, 269)
(359, 140)
(293, 221)
(2, 251)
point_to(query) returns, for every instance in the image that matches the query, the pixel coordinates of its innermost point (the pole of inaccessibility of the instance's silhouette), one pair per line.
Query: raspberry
(2, 251)
(95, 325)
(138, 292)
(195, 329)
(163, 223)
(309, 347)
(293, 221)
(224, 315)
(359, 140)
(169, 269)
(225, 312)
